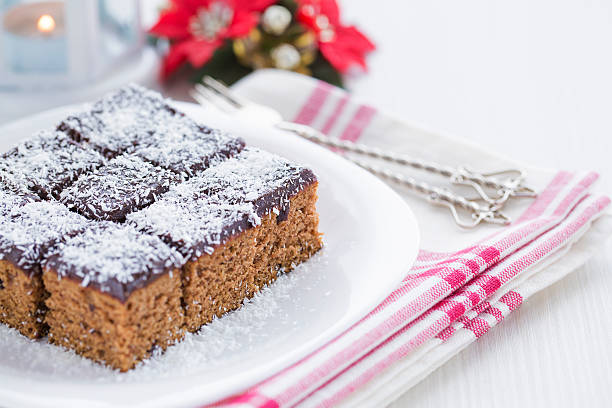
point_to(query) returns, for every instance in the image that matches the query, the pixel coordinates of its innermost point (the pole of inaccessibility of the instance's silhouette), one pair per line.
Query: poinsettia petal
(175, 58)
(305, 19)
(200, 51)
(331, 10)
(357, 59)
(348, 48)
(335, 57)
(191, 6)
(351, 57)
(343, 53)
(173, 24)
(253, 5)
(242, 24)
(351, 36)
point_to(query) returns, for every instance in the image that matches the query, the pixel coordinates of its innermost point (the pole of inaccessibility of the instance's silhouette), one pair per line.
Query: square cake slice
(125, 184)
(239, 224)
(136, 118)
(189, 152)
(47, 163)
(26, 232)
(115, 294)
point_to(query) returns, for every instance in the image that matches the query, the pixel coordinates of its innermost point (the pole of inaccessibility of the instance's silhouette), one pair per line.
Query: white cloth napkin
(463, 282)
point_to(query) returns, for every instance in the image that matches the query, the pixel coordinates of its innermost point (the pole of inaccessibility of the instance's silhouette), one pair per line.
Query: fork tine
(200, 94)
(198, 97)
(205, 88)
(206, 96)
(224, 91)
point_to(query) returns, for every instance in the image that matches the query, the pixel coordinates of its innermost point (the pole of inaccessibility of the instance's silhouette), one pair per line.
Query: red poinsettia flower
(196, 28)
(343, 46)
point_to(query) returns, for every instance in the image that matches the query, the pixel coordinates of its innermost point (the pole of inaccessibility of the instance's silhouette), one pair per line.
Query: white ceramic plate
(371, 239)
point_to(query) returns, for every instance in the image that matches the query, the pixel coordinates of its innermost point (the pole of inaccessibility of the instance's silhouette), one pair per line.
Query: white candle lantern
(65, 43)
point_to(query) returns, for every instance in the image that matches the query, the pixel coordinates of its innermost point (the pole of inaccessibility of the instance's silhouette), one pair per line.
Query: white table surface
(532, 79)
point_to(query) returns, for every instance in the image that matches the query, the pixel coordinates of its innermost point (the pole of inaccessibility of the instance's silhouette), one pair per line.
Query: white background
(531, 79)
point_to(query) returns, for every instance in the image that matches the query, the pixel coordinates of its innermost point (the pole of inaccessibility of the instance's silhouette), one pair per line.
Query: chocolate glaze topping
(28, 231)
(117, 122)
(13, 196)
(202, 213)
(47, 163)
(112, 258)
(136, 119)
(189, 153)
(125, 184)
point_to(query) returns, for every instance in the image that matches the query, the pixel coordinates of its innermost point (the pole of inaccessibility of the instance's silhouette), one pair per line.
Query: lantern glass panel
(33, 37)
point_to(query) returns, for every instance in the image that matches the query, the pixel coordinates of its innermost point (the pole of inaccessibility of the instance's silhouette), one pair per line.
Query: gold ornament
(285, 56)
(295, 50)
(275, 20)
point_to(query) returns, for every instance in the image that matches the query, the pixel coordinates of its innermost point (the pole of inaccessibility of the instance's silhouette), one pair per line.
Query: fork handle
(457, 175)
(318, 137)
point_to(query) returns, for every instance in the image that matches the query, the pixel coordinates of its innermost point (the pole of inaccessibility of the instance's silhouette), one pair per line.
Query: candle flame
(45, 24)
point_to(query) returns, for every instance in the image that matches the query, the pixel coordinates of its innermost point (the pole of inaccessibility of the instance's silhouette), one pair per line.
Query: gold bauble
(291, 52)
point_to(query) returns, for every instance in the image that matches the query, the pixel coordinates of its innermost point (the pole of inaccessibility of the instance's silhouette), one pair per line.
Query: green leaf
(291, 5)
(323, 70)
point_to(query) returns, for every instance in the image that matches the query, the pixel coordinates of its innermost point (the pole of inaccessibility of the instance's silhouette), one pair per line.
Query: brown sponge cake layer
(104, 329)
(218, 283)
(25, 234)
(22, 298)
(201, 214)
(114, 259)
(114, 294)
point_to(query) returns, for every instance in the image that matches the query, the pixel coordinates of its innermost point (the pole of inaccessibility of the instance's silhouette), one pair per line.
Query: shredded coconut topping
(106, 253)
(224, 200)
(189, 152)
(194, 226)
(8, 201)
(249, 176)
(26, 231)
(133, 116)
(125, 184)
(12, 196)
(47, 161)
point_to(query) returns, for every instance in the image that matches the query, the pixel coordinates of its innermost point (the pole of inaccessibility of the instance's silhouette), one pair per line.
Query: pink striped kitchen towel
(462, 284)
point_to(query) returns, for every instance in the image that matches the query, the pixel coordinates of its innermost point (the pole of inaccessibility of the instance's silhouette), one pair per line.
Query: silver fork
(213, 92)
(504, 189)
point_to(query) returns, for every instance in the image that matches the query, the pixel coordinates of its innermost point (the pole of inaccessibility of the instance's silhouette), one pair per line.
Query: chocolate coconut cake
(26, 234)
(131, 224)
